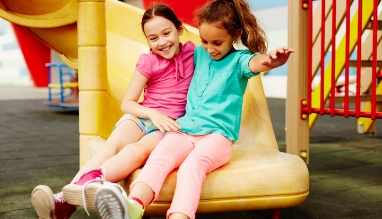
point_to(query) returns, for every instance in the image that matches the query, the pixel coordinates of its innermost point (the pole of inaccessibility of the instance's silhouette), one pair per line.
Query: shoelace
(59, 197)
(100, 179)
(123, 193)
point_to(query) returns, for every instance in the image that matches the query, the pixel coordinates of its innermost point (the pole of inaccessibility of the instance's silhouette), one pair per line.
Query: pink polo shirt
(168, 80)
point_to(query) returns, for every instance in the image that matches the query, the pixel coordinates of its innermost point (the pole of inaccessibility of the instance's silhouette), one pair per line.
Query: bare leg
(177, 215)
(146, 195)
(109, 201)
(129, 158)
(143, 192)
(125, 133)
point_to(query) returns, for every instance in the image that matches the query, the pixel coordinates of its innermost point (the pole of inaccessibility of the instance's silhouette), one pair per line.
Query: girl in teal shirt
(213, 113)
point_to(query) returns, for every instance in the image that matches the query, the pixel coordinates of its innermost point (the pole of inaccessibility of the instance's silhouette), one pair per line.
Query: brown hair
(235, 15)
(161, 10)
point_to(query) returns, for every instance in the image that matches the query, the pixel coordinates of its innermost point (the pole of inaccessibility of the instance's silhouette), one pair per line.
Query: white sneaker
(111, 202)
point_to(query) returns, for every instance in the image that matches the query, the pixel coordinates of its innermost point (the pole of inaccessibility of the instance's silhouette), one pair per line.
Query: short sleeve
(245, 57)
(144, 65)
(189, 46)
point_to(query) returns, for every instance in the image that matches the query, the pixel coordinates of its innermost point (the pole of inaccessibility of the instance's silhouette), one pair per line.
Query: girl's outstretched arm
(130, 105)
(276, 58)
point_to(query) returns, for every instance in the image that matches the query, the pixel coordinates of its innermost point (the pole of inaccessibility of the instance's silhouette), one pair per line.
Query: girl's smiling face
(162, 36)
(215, 40)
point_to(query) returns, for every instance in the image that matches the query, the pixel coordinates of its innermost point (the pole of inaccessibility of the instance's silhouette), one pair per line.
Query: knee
(107, 151)
(195, 164)
(113, 145)
(137, 150)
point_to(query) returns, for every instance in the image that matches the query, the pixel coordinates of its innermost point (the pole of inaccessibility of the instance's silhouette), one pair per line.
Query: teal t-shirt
(215, 96)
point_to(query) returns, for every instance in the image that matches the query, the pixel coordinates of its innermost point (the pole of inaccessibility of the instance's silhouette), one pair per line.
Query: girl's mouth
(166, 49)
(214, 55)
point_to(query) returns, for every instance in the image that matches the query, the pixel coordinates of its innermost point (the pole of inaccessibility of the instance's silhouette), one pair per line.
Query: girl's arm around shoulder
(276, 58)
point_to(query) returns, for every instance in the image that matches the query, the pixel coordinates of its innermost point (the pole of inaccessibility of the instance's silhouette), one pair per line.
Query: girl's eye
(218, 44)
(166, 33)
(204, 42)
(152, 38)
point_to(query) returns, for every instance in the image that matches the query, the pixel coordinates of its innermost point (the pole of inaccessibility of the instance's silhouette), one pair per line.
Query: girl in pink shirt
(164, 76)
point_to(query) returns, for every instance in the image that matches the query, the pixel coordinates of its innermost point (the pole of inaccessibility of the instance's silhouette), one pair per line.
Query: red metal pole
(347, 57)
(350, 112)
(359, 57)
(333, 79)
(276, 214)
(322, 95)
(374, 63)
(310, 46)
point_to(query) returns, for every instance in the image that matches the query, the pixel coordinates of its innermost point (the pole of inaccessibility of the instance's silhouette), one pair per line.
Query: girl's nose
(209, 49)
(162, 41)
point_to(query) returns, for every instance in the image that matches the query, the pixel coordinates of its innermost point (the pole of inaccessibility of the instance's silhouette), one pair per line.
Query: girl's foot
(49, 205)
(83, 191)
(111, 201)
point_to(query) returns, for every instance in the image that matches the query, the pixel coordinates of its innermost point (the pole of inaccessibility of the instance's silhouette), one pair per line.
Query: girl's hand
(278, 57)
(163, 122)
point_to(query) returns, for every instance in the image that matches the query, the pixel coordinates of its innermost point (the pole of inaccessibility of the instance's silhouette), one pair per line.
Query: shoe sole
(73, 194)
(43, 201)
(110, 203)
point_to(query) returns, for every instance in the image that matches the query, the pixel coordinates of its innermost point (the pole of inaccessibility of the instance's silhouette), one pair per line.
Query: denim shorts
(146, 125)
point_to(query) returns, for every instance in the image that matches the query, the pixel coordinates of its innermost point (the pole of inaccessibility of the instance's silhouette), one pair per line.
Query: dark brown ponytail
(234, 15)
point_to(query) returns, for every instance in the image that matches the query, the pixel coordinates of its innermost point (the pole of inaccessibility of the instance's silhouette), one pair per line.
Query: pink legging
(195, 155)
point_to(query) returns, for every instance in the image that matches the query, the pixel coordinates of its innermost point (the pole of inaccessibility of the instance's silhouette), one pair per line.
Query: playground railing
(339, 67)
(352, 51)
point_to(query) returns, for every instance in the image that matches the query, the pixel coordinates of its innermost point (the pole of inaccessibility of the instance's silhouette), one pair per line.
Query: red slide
(36, 55)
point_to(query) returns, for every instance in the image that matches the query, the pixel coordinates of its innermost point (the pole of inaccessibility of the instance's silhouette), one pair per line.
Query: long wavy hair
(234, 16)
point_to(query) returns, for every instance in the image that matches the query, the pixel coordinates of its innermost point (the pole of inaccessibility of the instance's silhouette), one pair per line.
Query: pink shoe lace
(62, 209)
(89, 177)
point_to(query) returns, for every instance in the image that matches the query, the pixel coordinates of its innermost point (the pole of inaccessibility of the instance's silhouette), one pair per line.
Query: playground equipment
(323, 38)
(105, 52)
(67, 87)
(30, 46)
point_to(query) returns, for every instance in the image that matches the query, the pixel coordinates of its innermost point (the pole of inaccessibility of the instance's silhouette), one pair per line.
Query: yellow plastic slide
(104, 50)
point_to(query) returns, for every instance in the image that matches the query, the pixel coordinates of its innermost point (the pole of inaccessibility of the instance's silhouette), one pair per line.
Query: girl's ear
(180, 31)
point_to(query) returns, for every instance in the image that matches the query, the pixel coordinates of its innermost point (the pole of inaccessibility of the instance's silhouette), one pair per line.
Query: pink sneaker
(93, 175)
(49, 205)
(83, 191)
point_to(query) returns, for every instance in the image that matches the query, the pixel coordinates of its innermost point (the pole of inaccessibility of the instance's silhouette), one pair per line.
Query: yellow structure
(297, 129)
(103, 40)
